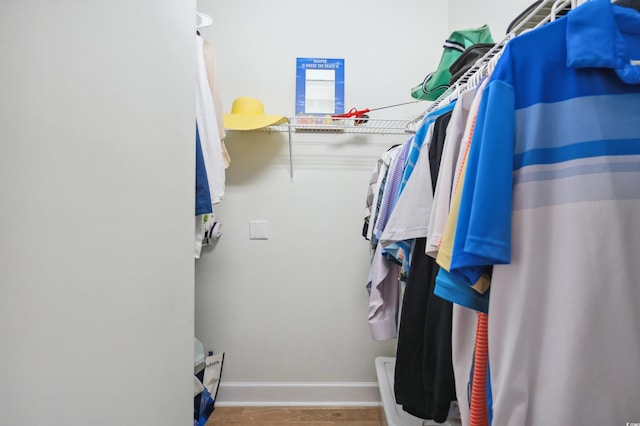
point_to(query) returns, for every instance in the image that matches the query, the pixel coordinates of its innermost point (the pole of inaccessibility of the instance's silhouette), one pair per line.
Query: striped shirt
(551, 199)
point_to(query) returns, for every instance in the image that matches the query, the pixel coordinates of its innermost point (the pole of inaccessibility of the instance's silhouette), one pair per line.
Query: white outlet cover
(259, 229)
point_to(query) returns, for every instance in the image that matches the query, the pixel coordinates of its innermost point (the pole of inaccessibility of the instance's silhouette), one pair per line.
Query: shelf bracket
(290, 154)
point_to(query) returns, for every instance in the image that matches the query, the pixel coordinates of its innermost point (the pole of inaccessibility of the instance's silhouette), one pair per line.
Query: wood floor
(307, 416)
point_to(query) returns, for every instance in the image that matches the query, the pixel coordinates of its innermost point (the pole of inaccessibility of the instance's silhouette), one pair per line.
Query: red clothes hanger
(362, 113)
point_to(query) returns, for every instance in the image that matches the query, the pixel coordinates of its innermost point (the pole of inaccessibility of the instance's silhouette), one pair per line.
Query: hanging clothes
(390, 192)
(384, 296)
(449, 285)
(400, 235)
(208, 128)
(383, 282)
(423, 379)
(209, 135)
(374, 187)
(550, 202)
(209, 55)
(447, 173)
(536, 231)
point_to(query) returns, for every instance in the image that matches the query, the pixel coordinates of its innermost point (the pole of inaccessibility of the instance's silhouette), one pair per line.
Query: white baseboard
(348, 394)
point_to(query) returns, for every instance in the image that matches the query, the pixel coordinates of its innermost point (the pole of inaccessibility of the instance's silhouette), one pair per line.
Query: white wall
(96, 227)
(497, 14)
(294, 308)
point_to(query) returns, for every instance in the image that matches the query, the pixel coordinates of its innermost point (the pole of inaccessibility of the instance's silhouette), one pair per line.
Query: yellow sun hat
(248, 114)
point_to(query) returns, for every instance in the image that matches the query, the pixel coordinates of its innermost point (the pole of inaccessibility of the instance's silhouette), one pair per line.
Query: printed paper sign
(319, 86)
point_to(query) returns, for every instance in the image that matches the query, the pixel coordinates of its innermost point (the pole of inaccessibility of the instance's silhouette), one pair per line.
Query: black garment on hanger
(522, 15)
(525, 13)
(423, 380)
(632, 4)
(468, 59)
(437, 146)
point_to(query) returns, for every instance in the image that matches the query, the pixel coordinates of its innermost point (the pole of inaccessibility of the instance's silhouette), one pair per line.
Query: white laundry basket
(198, 356)
(394, 415)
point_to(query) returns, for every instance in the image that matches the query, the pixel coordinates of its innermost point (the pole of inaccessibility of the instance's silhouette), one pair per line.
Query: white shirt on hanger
(446, 175)
(410, 216)
(208, 128)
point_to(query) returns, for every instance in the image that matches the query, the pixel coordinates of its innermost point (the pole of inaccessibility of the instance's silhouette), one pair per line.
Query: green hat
(437, 82)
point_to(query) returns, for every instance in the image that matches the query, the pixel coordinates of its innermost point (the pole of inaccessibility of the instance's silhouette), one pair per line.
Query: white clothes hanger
(205, 20)
(558, 6)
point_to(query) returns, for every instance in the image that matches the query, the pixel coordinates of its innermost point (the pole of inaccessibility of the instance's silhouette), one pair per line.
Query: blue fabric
(418, 141)
(561, 102)
(574, 128)
(578, 70)
(602, 45)
(594, 47)
(205, 408)
(454, 289)
(487, 190)
(203, 196)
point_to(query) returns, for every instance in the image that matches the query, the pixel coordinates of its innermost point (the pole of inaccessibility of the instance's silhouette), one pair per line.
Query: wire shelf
(545, 11)
(327, 125)
(362, 125)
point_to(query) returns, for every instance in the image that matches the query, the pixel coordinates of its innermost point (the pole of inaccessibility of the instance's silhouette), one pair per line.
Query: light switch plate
(259, 229)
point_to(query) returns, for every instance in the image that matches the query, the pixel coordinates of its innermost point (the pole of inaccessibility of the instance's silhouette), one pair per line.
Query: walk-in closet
(381, 213)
